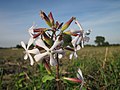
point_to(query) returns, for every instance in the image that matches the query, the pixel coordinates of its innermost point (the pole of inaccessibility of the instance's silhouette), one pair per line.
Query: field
(100, 67)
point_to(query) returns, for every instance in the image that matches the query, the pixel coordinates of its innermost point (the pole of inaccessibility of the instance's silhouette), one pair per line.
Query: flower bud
(47, 20)
(51, 18)
(76, 80)
(67, 24)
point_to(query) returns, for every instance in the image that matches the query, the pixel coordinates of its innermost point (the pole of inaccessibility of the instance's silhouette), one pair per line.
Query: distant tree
(106, 44)
(18, 46)
(100, 40)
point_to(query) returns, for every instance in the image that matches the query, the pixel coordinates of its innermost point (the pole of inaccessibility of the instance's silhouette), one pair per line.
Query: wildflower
(30, 30)
(75, 46)
(79, 78)
(50, 51)
(82, 35)
(27, 51)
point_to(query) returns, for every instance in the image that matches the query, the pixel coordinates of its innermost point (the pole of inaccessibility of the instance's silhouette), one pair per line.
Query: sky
(17, 16)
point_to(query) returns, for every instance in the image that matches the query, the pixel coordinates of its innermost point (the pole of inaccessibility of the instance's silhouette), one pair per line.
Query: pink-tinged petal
(79, 25)
(34, 51)
(75, 55)
(31, 59)
(31, 32)
(30, 42)
(74, 41)
(79, 40)
(40, 56)
(40, 43)
(23, 45)
(78, 47)
(71, 55)
(56, 43)
(73, 79)
(80, 76)
(26, 56)
(52, 60)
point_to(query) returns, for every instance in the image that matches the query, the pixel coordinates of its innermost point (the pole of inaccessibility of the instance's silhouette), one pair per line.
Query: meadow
(100, 67)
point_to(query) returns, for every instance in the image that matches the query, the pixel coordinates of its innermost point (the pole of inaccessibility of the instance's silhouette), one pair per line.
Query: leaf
(22, 74)
(67, 39)
(47, 77)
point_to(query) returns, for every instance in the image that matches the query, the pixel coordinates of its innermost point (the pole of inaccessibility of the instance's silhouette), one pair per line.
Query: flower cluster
(49, 44)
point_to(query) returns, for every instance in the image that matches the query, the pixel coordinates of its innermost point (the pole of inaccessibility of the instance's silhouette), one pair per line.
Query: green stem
(57, 73)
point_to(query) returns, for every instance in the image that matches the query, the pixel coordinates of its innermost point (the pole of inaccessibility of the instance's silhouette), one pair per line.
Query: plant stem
(57, 73)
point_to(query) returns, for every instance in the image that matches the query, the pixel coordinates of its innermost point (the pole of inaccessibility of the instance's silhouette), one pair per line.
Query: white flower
(81, 37)
(74, 53)
(80, 77)
(50, 51)
(30, 30)
(27, 52)
(76, 47)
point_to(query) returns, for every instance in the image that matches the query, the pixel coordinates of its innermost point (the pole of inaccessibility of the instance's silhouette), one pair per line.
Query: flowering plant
(50, 44)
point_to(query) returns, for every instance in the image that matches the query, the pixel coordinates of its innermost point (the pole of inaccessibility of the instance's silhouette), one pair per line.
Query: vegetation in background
(17, 72)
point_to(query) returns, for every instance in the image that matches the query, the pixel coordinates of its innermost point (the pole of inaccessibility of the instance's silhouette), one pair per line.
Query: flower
(50, 52)
(30, 30)
(27, 51)
(81, 35)
(79, 78)
(76, 47)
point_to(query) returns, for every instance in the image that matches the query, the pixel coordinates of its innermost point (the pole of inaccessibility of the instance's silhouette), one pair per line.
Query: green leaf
(67, 39)
(22, 74)
(47, 77)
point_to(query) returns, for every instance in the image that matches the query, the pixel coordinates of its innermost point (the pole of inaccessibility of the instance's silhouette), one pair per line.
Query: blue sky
(17, 16)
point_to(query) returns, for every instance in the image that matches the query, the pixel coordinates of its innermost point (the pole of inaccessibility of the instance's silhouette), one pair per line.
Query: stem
(106, 52)
(57, 73)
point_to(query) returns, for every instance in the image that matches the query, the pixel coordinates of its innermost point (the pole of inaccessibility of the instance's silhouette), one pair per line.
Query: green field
(100, 67)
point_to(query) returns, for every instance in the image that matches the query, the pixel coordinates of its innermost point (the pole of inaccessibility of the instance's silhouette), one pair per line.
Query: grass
(101, 72)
